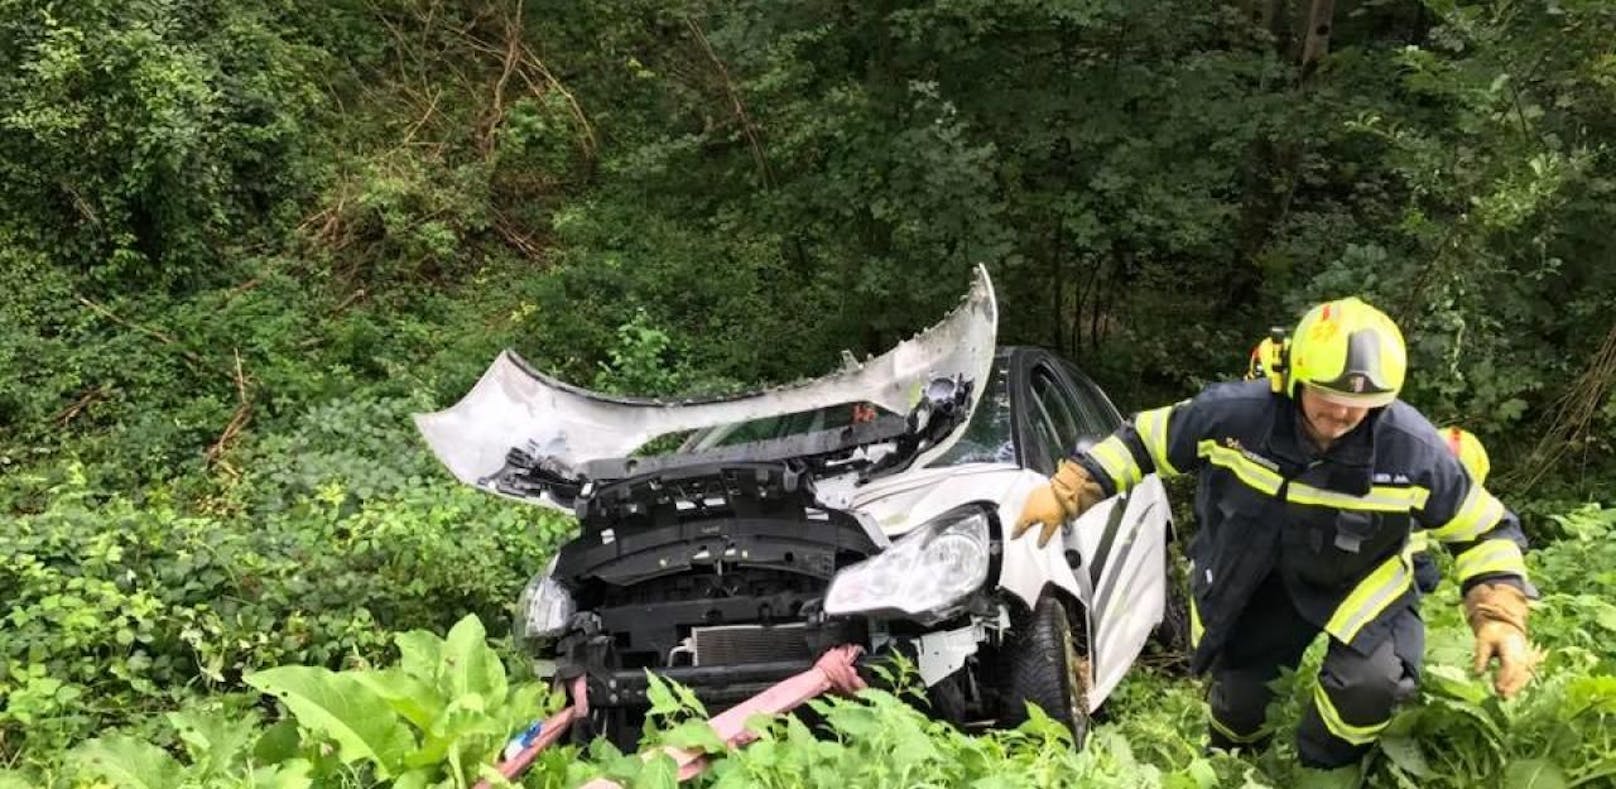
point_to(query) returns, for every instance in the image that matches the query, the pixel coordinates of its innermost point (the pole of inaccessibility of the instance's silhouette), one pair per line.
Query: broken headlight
(924, 572)
(543, 610)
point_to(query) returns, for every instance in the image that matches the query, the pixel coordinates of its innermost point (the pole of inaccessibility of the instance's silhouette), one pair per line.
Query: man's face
(1327, 420)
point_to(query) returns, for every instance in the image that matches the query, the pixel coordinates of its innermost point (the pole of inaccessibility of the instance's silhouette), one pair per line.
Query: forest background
(241, 242)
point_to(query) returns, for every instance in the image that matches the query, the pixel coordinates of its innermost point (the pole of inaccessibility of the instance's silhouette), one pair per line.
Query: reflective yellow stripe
(1196, 628)
(1419, 542)
(1381, 498)
(1249, 471)
(1114, 457)
(1479, 512)
(1370, 597)
(1241, 739)
(1492, 556)
(1357, 735)
(1152, 427)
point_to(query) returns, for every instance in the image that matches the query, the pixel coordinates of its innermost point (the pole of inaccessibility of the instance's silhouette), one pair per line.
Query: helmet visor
(1364, 397)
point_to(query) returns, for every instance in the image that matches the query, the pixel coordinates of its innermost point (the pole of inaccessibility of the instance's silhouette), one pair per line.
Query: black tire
(1045, 665)
(1171, 638)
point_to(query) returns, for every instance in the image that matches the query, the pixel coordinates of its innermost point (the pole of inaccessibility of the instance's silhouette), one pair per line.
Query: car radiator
(731, 644)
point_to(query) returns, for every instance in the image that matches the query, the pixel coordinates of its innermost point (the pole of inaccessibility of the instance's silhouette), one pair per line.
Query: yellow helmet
(1349, 352)
(1472, 455)
(1268, 360)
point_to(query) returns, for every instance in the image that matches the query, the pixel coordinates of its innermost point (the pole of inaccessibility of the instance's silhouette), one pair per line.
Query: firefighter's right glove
(1068, 494)
(1497, 615)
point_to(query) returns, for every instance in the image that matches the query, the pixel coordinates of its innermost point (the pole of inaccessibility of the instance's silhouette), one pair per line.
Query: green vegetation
(241, 242)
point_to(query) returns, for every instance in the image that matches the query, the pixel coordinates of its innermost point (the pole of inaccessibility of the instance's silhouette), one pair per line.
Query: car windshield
(987, 438)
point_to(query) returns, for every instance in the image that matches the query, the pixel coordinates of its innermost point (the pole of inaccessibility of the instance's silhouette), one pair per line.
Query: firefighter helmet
(1349, 352)
(1472, 455)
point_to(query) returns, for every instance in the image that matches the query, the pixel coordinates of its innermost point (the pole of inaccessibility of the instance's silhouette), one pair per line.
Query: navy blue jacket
(1335, 525)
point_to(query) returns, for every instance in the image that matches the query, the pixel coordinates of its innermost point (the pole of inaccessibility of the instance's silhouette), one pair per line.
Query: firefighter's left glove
(1497, 615)
(1068, 494)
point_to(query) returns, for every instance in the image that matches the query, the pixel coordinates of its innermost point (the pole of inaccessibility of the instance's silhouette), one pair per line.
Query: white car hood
(514, 405)
(899, 503)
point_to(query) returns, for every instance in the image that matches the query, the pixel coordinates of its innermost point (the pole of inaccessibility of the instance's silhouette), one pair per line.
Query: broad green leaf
(687, 697)
(14, 779)
(660, 772)
(1405, 753)
(1202, 772)
(695, 735)
(414, 779)
(1457, 684)
(661, 698)
(432, 751)
(529, 702)
(1534, 774)
(213, 739)
(418, 701)
(420, 655)
(278, 743)
(466, 717)
(1606, 617)
(129, 763)
(342, 708)
(469, 666)
(287, 775)
(1589, 694)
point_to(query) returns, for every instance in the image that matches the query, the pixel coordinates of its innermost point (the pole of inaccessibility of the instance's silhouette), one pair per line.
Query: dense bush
(115, 608)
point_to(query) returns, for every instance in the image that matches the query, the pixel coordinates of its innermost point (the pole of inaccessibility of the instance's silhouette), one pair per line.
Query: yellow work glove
(1497, 615)
(1068, 494)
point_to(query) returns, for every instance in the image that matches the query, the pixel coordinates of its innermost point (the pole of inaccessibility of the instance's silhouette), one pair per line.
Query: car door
(1126, 562)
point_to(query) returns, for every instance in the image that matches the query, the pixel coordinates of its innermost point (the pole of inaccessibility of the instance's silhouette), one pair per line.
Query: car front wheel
(1045, 665)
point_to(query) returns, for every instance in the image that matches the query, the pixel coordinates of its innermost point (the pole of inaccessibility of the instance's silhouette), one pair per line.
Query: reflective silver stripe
(1381, 498)
(1252, 473)
(1114, 457)
(1370, 597)
(1479, 512)
(1491, 556)
(1152, 427)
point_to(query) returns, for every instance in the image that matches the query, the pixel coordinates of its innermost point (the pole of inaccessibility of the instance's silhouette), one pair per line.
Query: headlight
(544, 607)
(926, 570)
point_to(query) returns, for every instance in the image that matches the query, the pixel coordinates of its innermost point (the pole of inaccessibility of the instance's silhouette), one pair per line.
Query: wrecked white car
(870, 506)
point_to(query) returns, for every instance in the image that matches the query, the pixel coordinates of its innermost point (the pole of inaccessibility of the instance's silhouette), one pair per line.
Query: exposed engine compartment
(711, 565)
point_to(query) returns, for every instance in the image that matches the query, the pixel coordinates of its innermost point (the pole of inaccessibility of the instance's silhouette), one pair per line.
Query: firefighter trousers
(1354, 697)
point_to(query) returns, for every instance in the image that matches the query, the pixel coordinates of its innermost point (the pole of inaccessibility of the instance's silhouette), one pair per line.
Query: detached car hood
(514, 406)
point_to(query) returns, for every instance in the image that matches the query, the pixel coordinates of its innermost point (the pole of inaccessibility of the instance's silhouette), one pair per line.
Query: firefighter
(1267, 362)
(1308, 493)
(1473, 456)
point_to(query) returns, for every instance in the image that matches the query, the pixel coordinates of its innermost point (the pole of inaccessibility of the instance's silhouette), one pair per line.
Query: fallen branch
(71, 412)
(509, 60)
(747, 126)
(232, 430)
(348, 302)
(431, 109)
(163, 337)
(521, 242)
(589, 141)
(1574, 413)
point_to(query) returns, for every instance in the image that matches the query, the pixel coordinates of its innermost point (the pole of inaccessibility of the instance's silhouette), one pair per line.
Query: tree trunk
(1320, 18)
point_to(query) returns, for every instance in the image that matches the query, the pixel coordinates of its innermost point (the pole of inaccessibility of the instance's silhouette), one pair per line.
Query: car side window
(1050, 415)
(1057, 406)
(1096, 415)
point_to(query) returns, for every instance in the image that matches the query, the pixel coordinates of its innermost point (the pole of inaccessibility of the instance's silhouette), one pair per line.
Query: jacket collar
(1350, 461)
